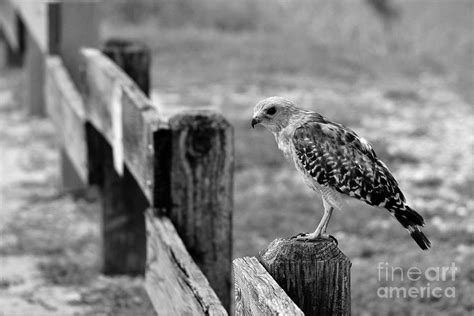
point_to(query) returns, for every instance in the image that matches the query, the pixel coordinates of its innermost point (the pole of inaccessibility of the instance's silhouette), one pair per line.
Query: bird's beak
(255, 121)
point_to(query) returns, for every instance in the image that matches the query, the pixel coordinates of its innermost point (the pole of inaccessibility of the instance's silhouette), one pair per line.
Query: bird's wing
(335, 156)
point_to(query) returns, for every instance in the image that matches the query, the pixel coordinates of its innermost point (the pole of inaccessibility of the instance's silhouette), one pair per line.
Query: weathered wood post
(41, 31)
(124, 203)
(12, 34)
(33, 97)
(201, 193)
(183, 166)
(316, 275)
(77, 25)
(71, 25)
(133, 57)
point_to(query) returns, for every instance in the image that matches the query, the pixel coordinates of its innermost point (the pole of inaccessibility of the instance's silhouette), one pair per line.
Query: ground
(413, 103)
(50, 242)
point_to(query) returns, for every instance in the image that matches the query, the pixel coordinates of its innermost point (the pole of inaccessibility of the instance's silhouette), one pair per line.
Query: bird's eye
(271, 110)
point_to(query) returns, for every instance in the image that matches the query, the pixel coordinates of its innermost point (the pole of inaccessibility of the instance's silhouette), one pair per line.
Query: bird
(337, 163)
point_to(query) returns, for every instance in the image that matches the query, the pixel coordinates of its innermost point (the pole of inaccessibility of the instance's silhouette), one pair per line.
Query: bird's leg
(317, 233)
(325, 224)
(320, 231)
(323, 233)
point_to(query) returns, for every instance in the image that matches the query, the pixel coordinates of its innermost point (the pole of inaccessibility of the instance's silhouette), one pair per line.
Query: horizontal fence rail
(66, 109)
(257, 293)
(175, 283)
(166, 183)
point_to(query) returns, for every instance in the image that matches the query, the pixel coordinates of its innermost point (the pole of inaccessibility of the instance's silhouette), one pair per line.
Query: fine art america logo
(431, 288)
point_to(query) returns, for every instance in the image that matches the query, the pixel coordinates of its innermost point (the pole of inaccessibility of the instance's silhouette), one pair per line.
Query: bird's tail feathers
(419, 237)
(412, 221)
(407, 216)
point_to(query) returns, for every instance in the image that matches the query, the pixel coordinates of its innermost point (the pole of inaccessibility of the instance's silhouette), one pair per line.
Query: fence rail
(176, 285)
(257, 293)
(166, 182)
(66, 109)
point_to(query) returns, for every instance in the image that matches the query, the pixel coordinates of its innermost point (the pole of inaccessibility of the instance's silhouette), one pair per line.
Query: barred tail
(412, 221)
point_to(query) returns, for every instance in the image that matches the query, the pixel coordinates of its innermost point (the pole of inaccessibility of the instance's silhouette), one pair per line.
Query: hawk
(335, 162)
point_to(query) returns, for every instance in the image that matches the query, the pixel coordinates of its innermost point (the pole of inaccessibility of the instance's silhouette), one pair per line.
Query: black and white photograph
(244, 157)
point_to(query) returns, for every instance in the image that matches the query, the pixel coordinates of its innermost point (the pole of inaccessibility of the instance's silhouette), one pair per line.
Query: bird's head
(274, 113)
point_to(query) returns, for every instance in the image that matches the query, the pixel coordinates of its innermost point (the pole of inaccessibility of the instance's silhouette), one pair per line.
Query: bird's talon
(298, 235)
(307, 237)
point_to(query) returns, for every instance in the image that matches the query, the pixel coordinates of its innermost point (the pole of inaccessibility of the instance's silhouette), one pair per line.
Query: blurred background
(400, 73)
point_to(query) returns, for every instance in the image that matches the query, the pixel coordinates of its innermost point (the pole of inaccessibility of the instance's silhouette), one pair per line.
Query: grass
(342, 40)
(406, 87)
(64, 270)
(392, 85)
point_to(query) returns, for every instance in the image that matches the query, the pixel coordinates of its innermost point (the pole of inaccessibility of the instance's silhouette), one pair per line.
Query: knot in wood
(200, 131)
(200, 141)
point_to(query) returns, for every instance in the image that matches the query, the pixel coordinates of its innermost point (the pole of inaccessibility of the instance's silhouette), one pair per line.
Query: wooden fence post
(41, 32)
(33, 94)
(133, 57)
(13, 38)
(77, 26)
(123, 201)
(201, 193)
(123, 221)
(183, 166)
(72, 24)
(316, 275)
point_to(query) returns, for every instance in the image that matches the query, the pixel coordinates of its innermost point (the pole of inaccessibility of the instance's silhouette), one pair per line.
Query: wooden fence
(166, 183)
(314, 275)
